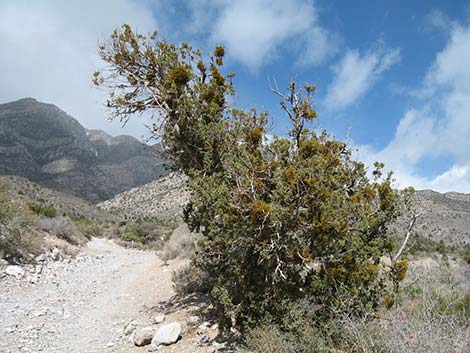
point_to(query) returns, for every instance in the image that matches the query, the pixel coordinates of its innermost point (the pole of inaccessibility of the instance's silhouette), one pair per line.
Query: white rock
(166, 335)
(15, 271)
(159, 318)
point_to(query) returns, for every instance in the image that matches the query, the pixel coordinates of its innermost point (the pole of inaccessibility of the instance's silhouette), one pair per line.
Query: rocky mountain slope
(443, 216)
(44, 144)
(160, 200)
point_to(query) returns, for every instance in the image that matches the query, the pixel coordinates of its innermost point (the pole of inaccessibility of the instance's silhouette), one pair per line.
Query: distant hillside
(34, 219)
(41, 142)
(443, 216)
(161, 200)
(22, 191)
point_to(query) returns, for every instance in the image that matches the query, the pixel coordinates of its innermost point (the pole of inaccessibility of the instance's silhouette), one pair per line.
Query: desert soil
(82, 305)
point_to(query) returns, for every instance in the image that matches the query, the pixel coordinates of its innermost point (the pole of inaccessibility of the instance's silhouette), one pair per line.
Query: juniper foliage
(288, 221)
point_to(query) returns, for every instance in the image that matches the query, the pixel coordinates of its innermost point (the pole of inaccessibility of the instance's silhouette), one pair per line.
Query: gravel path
(81, 305)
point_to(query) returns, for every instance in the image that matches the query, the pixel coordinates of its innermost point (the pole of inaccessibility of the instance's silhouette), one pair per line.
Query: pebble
(159, 318)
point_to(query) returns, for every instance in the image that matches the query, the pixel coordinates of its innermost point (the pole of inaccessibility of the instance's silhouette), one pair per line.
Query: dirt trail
(82, 305)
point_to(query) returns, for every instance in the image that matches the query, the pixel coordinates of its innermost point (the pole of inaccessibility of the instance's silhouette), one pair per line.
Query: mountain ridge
(41, 142)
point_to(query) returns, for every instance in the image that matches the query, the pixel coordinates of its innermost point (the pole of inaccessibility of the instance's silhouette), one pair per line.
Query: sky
(392, 77)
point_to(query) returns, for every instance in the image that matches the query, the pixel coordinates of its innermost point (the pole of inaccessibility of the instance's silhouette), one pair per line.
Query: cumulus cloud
(355, 74)
(49, 51)
(254, 30)
(440, 128)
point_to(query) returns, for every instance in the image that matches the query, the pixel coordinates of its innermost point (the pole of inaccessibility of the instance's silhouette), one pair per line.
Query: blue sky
(393, 77)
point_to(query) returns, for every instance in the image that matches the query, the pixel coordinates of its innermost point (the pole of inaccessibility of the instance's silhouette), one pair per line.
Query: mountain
(44, 144)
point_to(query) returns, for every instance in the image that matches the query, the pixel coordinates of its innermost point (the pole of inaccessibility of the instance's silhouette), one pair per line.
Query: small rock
(41, 258)
(130, 327)
(159, 318)
(143, 336)
(166, 335)
(55, 255)
(33, 279)
(3, 263)
(202, 328)
(204, 339)
(41, 312)
(10, 330)
(38, 269)
(193, 320)
(15, 271)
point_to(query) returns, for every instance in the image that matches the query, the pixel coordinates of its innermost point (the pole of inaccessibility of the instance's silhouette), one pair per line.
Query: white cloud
(319, 44)
(254, 30)
(49, 51)
(355, 74)
(445, 132)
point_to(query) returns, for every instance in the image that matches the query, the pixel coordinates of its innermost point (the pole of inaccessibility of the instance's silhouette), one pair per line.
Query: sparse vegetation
(17, 240)
(41, 209)
(28, 213)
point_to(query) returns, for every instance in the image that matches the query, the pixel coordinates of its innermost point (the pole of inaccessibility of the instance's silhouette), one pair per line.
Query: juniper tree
(292, 220)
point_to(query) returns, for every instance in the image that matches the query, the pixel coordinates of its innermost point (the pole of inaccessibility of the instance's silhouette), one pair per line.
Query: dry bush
(180, 244)
(431, 321)
(18, 241)
(63, 228)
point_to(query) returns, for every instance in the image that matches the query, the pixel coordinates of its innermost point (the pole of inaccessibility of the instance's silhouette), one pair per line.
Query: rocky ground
(162, 200)
(104, 300)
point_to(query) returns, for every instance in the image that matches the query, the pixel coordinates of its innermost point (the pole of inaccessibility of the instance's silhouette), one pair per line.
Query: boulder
(166, 335)
(143, 336)
(15, 271)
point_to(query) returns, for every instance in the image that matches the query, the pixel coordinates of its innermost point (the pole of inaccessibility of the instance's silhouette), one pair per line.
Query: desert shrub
(148, 233)
(435, 321)
(41, 209)
(88, 227)
(17, 240)
(427, 245)
(431, 320)
(465, 253)
(133, 235)
(63, 228)
(270, 339)
(295, 219)
(179, 243)
(189, 281)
